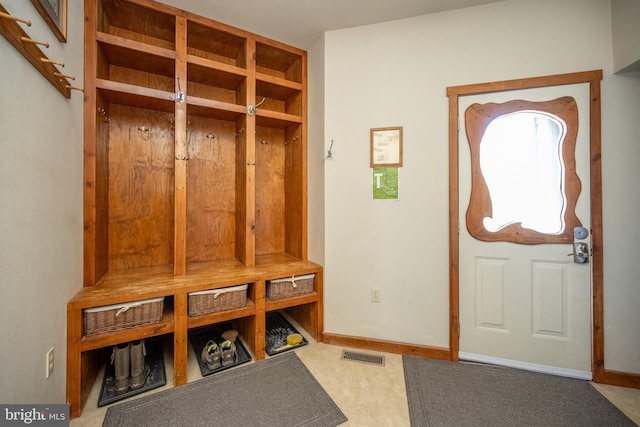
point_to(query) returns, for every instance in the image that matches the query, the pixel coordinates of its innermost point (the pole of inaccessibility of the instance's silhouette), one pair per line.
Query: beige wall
(625, 16)
(40, 211)
(396, 74)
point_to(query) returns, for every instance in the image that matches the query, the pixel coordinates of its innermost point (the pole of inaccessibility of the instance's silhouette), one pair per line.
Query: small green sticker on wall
(385, 183)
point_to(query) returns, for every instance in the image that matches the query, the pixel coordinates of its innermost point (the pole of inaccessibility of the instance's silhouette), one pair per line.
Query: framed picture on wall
(54, 13)
(386, 147)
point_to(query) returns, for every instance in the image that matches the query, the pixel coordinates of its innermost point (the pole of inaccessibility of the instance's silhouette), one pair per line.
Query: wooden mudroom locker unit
(195, 178)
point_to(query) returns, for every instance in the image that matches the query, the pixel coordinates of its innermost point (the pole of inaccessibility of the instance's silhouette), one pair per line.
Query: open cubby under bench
(125, 286)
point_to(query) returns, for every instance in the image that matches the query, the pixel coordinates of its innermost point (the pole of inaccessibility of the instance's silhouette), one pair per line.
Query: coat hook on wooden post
(28, 40)
(64, 76)
(143, 128)
(15, 18)
(251, 109)
(48, 61)
(211, 135)
(295, 138)
(103, 113)
(180, 95)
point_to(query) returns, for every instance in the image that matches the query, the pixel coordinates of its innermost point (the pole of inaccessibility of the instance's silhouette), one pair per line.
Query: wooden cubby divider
(187, 188)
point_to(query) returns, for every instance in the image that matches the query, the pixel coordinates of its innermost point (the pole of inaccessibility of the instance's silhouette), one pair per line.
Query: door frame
(593, 78)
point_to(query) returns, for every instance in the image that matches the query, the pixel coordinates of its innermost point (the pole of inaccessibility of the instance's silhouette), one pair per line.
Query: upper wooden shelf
(136, 96)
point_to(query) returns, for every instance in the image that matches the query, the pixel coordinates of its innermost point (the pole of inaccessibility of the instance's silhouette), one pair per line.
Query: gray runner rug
(442, 393)
(279, 391)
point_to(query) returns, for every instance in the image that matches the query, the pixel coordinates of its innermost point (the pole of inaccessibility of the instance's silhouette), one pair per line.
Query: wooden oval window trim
(477, 119)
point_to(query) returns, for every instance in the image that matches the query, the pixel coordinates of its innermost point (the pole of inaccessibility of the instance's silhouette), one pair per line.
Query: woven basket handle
(127, 307)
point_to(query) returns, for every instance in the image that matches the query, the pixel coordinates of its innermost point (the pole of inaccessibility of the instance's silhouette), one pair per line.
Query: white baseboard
(562, 372)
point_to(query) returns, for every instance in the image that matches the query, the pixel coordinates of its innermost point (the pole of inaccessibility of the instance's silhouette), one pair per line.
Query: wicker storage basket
(122, 316)
(290, 286)
(217, 300)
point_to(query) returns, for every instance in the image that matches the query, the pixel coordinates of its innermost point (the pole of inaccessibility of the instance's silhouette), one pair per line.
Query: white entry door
(526, 305)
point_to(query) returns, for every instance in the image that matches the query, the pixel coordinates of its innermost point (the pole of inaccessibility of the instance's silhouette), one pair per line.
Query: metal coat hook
(295, 138)
(329, 153)
(103, 113)
(143, 128)
(253, 108)
(180, 95)
(211, 135)
(264, 142)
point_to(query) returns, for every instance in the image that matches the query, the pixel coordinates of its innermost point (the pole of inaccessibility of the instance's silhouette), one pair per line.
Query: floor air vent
(371, 359)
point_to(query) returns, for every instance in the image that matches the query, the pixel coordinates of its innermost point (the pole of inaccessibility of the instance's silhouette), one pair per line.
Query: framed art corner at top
(54, 12)
(386, 147)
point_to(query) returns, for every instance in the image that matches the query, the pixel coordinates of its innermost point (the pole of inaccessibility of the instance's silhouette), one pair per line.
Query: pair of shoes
(224, 354)
(211, 355)
(130, 369)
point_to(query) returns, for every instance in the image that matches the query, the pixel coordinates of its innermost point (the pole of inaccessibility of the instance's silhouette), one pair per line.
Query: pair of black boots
(131, 371)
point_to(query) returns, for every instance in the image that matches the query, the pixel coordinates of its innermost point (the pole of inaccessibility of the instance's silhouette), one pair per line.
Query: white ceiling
(301, 22)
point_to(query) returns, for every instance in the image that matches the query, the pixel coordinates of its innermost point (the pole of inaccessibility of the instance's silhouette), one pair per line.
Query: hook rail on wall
(13, 32)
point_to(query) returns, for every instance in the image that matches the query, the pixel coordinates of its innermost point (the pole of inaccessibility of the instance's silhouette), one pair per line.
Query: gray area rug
(442, 393)
(279, 391)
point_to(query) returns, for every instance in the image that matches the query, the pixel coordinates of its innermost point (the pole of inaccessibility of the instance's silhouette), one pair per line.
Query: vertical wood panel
(74, 334)
(250, 163)
(211, 189)
(242, 251)
(597, 258)
(304, 165)
(270, 196)
(260, 319)
(140, 188)
(454, 226)
(181, 152)
(295, 192)
(101, 188)
(90, 181)
(180, 339)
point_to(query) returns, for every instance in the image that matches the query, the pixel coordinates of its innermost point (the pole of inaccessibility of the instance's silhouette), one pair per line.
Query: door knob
(580, 253)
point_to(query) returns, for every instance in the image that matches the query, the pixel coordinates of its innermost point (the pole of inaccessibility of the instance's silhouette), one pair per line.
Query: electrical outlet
(375, 294)
(49, 361)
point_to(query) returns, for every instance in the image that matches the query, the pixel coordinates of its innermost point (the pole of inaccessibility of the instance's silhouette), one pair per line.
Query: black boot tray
(157, 376)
